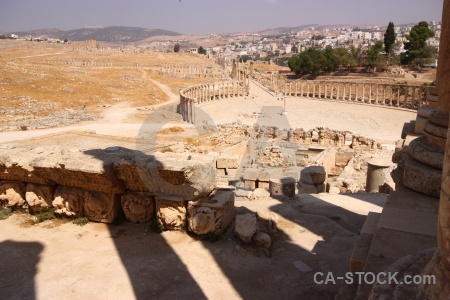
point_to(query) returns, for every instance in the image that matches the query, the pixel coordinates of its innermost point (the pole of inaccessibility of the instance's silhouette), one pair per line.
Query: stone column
(376, 174)
(440, 264)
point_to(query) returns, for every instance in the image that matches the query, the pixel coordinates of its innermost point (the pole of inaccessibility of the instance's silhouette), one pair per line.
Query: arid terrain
(123, 99)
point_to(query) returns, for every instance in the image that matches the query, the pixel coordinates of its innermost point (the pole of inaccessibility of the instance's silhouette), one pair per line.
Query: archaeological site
(133, 173)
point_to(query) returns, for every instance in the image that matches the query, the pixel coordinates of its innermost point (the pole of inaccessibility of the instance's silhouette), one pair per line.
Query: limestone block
(250, 184)
(251, 174)
(221, 172)
(420, 125)
(242, 193)
(261, 239)
(68, 201)
(171, 214)
(189, 175)
(284, 186)
(101, 207)
(12, 193)
(313, 175)
(211, 215)
(259, 194)
(264, 185)
(245, 227)
(228, 161)
(138, 208)
(39, 197)
(231, 172)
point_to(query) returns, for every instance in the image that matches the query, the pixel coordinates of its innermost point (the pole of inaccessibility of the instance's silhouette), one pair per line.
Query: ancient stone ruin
(176, 190)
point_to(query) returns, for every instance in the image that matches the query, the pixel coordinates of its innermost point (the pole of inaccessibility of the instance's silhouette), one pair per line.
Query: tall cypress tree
(389, 38)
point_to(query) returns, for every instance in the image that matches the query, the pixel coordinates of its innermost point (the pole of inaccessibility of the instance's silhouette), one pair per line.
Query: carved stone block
(211, 215)
(138, 208)
(101, 207)
(68, 201)
(12, 193)
(171, 214)
(39, 197)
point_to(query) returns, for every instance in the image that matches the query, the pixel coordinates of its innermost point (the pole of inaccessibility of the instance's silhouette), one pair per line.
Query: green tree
(176, 48)
(344, 58)
(416, 47)
(389, 38)
(357, 55)
(312, 61)
(374, 58)
(202, 50)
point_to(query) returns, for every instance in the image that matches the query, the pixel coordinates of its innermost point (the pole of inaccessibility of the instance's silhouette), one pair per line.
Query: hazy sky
(205, 16)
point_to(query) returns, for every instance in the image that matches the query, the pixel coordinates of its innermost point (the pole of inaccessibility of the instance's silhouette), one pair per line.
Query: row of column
(407, 96)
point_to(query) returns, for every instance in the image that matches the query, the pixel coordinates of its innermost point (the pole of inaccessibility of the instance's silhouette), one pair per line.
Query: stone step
(408, 218)
(362, 246)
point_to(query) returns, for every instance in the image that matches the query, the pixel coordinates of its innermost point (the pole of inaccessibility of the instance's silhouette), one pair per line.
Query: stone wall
(101, 183)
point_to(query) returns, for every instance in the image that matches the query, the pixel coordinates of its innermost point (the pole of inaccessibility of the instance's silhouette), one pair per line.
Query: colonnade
(397, 95)
(202, 93)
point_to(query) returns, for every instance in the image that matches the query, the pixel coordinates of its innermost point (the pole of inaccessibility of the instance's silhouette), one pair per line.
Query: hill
(115, 34)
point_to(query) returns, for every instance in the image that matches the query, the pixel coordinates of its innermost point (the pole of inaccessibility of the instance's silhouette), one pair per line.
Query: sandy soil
(58, 260)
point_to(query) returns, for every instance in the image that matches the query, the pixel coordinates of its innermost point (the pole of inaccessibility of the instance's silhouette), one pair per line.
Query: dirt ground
(59, 260)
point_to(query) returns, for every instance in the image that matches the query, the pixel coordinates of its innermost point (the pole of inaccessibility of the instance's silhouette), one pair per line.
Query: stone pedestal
(376, 174)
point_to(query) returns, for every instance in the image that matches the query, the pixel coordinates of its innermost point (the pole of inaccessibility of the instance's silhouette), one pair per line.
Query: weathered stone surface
(228, 161)
(15, 162)
(421, 178)
(68, 201)
(12, 193)
(419, 150)
(211, 215)
(261, 239)
(138, 208)
(284, 186)
(258, 194)
(171, 214)
(90, 169)
(39, 197)
(313, 175)
(245, 227)
(101, 207)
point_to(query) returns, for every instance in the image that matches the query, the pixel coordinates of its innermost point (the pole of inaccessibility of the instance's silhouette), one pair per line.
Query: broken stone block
(101, 207)
(68, 201)
(245, 227)
(228, 161)
(242, 193)
(170, 213)
(284, 186)
(211, 215)
(258, 194)
(313, 175)
(261, 239)
(334, 190)
(12, 193)
(138, 208)
(39, 197)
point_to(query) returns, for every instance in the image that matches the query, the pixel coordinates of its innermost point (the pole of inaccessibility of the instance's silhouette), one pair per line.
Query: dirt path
(115, 120)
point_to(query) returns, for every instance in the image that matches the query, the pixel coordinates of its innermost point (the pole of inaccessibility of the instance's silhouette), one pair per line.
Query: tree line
(377, 57)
